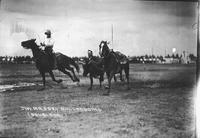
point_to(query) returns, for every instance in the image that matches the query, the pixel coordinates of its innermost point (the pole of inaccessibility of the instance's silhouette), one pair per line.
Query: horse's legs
(53, 78)
(115, 78)
(101, 79)
(91, 83)
(109, 81)
(72, 70)
(109, 75)
(126, 70)
(43, 80)
(121, 77)
(66, 72)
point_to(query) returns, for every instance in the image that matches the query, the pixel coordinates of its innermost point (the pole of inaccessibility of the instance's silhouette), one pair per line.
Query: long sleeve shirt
(49, 42)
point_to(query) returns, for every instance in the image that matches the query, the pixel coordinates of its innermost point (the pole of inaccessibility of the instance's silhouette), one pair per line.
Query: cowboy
(98, 61)
(90, 54)
(48, 44)
(91, 57)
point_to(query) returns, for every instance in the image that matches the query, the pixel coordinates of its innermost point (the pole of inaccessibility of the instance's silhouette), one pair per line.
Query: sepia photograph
(99, 69)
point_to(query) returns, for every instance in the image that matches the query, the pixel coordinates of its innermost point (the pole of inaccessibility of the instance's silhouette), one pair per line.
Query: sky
(139, 27)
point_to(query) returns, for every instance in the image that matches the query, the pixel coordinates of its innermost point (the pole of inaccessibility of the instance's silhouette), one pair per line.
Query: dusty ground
(159, 104)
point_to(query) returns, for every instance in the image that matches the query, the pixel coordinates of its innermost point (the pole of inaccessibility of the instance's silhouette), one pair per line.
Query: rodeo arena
(102, 69)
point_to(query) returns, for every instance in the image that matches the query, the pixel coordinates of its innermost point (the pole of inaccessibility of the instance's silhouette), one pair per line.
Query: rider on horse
(90, 54)
(48, 44)
(94, 59)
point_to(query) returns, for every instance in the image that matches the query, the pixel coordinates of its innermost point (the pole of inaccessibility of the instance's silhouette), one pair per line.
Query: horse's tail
(75, 65)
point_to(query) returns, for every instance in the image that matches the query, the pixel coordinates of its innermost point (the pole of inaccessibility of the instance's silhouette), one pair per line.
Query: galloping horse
(114, 62)
(43, 64)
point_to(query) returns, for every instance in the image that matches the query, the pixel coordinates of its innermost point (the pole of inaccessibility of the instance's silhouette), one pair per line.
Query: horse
(94, 68)
(44, 66)
(114, 62)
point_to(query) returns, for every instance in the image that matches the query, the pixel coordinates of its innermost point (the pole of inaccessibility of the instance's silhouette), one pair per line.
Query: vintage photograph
(99, 68)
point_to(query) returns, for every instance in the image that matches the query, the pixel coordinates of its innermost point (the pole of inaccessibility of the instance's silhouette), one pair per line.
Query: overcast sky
(139, 27)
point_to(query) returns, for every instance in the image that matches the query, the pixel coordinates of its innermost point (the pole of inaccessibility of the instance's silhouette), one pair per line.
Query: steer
(94, 68)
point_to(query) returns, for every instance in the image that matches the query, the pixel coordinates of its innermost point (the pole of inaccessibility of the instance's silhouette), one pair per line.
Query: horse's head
(29, 44)
(103, 49)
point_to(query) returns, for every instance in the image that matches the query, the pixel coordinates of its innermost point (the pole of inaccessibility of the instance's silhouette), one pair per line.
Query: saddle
(96, 60)
(51, 56)
(121, 58)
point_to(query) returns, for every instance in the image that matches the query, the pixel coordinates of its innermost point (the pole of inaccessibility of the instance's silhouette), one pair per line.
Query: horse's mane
(106, 48)
(38, 47)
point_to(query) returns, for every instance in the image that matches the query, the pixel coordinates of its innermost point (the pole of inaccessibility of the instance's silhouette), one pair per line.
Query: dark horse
(114, 62)
(43, 64)
(93, 67)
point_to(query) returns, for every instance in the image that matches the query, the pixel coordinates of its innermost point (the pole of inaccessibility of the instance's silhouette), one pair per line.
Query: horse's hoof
(60, 80)
(75, 80)
(106, 94)
(41, 89)
(64, 85)
(89, 89)
(78, 80)
(78, 84)
(106, 87)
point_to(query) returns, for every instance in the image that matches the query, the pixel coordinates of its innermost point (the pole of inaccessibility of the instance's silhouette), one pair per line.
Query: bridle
(102, 52)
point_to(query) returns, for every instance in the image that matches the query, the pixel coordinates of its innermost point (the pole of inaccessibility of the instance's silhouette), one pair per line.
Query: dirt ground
(158, 105)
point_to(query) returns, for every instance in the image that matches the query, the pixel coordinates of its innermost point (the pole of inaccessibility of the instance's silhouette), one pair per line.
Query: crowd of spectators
(133, 59)
(163, 59)
(16, 60)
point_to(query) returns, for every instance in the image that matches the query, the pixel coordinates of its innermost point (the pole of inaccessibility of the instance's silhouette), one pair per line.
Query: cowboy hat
(48, 32)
